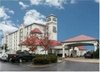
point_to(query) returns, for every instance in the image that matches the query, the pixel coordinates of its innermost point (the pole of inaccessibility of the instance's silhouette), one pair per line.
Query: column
(63, 51)
(72, 52)
(95, 46)
(69, 51)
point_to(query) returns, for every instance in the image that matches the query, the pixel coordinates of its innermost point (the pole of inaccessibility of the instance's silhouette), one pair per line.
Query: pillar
(69, 51)
(72, 52)
(95, 46)
(63, 51)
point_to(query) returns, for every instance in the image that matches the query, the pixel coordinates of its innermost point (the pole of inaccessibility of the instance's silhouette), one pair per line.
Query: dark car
(88, 55)
(20, 56)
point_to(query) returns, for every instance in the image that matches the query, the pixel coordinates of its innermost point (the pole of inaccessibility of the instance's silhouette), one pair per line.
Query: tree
(4, 47)
(96, 53)
(49, 44)
(32, 41)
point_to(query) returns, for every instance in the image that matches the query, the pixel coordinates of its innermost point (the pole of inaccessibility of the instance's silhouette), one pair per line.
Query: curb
(83, 61)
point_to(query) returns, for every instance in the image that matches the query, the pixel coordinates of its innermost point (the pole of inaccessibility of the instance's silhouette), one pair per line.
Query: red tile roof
(80, 38)
(81, 47)
(55, 43)
(36, 30)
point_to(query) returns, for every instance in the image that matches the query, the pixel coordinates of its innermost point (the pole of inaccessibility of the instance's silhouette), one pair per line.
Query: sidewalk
(83, 60)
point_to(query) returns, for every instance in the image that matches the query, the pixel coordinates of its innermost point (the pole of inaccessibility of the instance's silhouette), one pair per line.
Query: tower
(52, 27)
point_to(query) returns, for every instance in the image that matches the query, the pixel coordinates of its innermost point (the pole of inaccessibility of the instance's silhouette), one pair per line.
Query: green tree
(96, 53)
(5, 47)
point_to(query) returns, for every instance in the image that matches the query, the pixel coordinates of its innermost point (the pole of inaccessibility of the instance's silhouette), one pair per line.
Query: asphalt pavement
(62, 66)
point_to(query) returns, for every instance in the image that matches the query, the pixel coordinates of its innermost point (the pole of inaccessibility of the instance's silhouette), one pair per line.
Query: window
(54, 19)
(49, 19)
(54, 29)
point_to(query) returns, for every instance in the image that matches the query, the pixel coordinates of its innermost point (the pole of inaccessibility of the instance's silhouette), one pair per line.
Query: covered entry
(81, 40)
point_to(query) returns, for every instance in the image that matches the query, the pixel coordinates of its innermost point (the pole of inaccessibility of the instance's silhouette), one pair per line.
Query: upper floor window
(54, 19)
(54, 29)
(49, 19)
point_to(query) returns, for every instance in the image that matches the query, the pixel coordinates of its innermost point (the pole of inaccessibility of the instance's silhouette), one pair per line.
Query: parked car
(88, 55)
(0, 54)
(3, 56)
(20, 56)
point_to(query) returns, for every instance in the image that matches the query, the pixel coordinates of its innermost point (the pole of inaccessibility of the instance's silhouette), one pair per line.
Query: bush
(92, 54)
(45, 59)
(96, 54)
(40, 60)
(18, 51)
(88, 54)
(52, 58)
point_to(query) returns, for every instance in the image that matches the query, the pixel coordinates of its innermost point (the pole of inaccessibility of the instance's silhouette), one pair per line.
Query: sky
(75, 17)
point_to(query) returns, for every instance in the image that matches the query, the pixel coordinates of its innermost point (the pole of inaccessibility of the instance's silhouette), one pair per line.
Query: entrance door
(73, 53)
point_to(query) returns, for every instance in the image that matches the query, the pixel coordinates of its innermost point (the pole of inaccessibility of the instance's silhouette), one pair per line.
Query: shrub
(96, 53)
(45, 59)
(40, 60)
(52, 58)
(18, 51)
(88, 54)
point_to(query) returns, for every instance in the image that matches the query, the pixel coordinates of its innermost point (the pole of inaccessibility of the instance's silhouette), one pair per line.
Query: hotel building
(50, 28)
(15, 38)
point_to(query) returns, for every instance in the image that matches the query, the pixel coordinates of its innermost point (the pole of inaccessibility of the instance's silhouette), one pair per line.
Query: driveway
(63, 66)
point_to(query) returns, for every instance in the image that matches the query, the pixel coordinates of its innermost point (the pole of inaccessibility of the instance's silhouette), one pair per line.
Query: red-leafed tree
(49, 44)
(32, 41)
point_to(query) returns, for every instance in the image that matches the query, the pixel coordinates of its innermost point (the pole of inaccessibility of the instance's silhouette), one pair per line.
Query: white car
(3, 56)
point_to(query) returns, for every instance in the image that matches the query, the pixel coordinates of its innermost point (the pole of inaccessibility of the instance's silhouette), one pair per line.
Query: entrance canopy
(81, 40)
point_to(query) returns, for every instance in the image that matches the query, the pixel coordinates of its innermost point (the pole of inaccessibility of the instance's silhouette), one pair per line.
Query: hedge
(45, 59)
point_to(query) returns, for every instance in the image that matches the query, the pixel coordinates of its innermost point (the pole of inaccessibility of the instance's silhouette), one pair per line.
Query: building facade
(13, 39)
(49, 29)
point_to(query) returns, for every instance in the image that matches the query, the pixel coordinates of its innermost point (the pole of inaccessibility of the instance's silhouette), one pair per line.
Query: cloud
(54, 3)
(23, 5)
(72, 1)
(3, 13)
(7, 10)
(33, 16)
(97, 1)
(6, 25)
(36, 2)
(51, 3)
